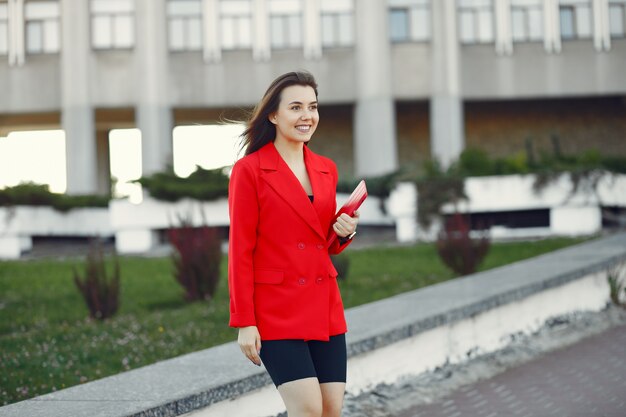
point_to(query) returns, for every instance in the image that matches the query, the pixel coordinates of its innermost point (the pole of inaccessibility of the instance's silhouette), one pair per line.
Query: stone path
(586, 379)
(573, 366)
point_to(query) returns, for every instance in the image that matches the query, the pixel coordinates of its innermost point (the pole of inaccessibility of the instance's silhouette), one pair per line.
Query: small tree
(617, 284)
(196, 259)
(101, 293)
(458, 250)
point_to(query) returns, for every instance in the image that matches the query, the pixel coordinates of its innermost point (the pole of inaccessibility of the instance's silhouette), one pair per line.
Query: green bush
(31, 194)
(437, 186)
(202, 184)
(379, 186)
(617, 284)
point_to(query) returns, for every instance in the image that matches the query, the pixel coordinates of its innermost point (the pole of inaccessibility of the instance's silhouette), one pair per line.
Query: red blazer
(280, 276)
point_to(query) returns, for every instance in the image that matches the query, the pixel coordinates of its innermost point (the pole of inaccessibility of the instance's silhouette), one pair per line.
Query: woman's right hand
(249, 341)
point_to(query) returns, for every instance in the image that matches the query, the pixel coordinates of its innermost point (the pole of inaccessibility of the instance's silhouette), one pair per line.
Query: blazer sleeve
(243, 209)
(336, 247)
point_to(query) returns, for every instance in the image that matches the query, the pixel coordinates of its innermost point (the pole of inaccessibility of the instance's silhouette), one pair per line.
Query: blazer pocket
(268, 276)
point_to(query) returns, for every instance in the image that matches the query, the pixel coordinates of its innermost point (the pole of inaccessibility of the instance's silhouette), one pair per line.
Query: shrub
(31, 194)
(457, 249)
(196, 259)
(436, 188)
(378, 186)
(617, 285)
(202, 185)
(101, 293)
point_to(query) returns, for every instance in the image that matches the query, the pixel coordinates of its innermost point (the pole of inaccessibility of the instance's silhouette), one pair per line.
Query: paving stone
(580, 380)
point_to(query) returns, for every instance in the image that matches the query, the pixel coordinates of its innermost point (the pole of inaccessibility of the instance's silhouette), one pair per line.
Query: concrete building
(400, 80)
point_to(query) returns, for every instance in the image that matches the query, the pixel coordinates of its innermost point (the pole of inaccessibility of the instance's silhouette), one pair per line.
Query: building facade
(400, 81)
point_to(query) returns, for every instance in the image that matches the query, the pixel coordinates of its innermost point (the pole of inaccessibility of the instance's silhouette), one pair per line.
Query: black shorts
(291, 359)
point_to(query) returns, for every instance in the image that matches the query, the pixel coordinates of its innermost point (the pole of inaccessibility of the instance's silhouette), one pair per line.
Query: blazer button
(301, 245)
(320, 246)
(301, 280)
(319, 280)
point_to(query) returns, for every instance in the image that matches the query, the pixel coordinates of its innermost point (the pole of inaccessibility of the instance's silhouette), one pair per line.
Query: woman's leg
(330, 360)
(302, 397)
(332, 398)
(289, 364)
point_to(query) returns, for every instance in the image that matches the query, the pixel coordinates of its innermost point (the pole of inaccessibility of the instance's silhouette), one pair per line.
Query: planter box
(137, 225)
(19, 224)
(566, 213)
(569, 214)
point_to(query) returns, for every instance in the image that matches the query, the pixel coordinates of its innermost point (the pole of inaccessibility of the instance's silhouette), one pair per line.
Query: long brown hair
(259, 130)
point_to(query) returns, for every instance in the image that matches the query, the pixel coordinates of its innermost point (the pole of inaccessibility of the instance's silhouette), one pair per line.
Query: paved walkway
(587, 379)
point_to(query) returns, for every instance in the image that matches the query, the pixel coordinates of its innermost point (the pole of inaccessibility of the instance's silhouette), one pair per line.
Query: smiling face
(296, 118)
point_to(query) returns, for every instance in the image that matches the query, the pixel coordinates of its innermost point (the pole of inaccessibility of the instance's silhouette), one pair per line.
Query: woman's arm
(243, 209)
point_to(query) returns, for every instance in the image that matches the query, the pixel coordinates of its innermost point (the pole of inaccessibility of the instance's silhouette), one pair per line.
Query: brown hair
(259, 130)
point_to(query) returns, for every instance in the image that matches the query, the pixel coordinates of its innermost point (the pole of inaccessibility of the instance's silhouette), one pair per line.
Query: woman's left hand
(346, 225)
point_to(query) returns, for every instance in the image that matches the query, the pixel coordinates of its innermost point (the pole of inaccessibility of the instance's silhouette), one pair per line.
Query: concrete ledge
(415, 321)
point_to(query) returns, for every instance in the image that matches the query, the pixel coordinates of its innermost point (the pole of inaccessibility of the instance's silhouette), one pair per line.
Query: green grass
(47, 341)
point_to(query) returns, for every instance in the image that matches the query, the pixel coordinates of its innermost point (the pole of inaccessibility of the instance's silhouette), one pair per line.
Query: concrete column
(261, 48)
(601, 25)
(446, 105)
(504, 34)
(552, 26)
(103, 162)
(210, 25)
(77, 114)
(154, 114)
(312, 29)
(374, 119)
(15, 11)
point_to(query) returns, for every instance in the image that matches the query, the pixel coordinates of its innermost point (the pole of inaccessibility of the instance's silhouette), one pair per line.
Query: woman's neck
(292, 153)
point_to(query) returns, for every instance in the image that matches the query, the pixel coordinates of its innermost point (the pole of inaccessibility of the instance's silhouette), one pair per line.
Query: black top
(311, 198)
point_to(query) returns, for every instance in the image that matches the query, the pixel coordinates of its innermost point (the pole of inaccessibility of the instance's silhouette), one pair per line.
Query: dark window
(617, 18)
(409, 20)
(518, 219)
(575, 19)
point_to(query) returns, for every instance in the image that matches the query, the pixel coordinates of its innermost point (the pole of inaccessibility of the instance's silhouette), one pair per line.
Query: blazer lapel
(279, 176)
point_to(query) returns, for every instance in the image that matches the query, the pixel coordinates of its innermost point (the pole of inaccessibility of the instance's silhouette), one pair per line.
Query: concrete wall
(531, 72)
(334, 137)
(502, 127)
(239, 80)
(34, 87)
(412, 119)
(112, 80)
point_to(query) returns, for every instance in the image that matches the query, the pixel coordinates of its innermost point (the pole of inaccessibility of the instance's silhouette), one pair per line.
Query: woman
(283, 290)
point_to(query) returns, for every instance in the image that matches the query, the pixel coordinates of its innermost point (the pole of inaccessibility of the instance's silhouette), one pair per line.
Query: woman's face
(296, 118)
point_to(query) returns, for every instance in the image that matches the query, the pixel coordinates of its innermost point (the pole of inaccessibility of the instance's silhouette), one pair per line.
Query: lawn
(47, 341)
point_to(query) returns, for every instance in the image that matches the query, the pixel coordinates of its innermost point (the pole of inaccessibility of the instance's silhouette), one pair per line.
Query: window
(112, 24)
(42, 27)
(527, 20)
(409, 20)
(476, 21)
(575, 17)
(285, 23)
(617, 18)
(4, 29)
(184, 21)
(236, 24)
(337, 23)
